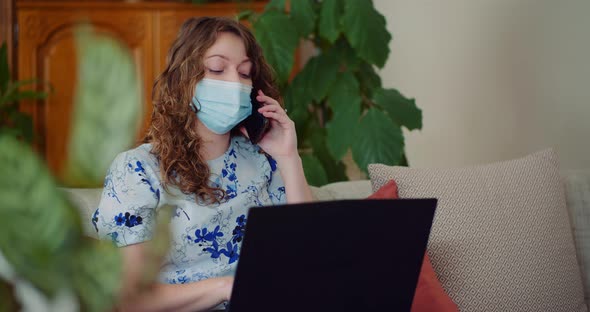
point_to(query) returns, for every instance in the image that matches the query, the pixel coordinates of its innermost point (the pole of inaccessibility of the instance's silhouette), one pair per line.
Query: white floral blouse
(206, 240)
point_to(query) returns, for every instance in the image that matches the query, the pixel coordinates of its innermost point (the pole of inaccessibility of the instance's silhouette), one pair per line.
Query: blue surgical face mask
(221, 105)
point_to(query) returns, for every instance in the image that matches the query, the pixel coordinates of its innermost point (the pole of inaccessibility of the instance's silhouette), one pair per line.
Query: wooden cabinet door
(47, 51)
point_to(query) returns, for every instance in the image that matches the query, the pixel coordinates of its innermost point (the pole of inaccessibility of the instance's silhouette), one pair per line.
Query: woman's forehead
(228, 46)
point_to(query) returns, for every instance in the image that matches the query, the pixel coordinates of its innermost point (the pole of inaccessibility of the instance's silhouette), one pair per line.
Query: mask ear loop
(193, 106)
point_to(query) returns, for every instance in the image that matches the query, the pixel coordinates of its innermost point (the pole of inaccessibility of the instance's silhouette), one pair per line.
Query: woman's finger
(271, 108)
(261, 97)
(282, 119)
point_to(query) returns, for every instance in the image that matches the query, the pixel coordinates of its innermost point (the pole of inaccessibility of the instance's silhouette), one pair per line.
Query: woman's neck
(214, 145)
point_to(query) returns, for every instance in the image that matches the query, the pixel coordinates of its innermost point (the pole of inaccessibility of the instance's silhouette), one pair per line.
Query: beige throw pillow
(501, 239)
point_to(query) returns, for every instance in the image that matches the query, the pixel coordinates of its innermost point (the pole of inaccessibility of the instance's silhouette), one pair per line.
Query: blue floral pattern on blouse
(206, 240)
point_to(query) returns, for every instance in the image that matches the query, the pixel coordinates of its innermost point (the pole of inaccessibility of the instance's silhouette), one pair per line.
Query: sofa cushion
(501, 238)
(429, 295)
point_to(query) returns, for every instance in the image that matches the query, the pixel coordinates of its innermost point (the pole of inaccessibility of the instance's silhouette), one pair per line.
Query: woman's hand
(281, 139)
(281, 143)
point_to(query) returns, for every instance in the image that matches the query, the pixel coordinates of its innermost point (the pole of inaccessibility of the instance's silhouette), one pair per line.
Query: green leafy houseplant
(13, 121)
(337, 100)
(41, 238)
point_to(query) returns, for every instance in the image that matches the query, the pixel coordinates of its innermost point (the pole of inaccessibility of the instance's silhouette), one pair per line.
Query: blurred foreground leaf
(97, 275)
(157, 248)
(38, 224)
(107, 110)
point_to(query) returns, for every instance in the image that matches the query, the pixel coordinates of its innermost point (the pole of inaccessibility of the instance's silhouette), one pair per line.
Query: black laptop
(350, 255)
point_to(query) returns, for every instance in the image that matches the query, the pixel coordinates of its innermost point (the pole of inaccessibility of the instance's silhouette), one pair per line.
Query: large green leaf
(278, 5)
(303, 16)
(345, 101)
(314, 172)
(377, 140)
(4, 68)
(335, 169)
(107, 111)
(365, 29)
(318, 75)
(38, 224)
(297, 102)
(369, 79)
(401, 109)
(329, 24)
(278, 39)
(347, 57)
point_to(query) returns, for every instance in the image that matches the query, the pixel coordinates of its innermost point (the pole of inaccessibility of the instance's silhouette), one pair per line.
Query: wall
(496, 79)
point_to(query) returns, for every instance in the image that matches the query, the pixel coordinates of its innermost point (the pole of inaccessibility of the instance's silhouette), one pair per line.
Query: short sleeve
(127, 209)
(276, 186)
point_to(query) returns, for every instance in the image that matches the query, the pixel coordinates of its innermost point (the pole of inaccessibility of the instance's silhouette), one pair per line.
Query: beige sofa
(500, 282)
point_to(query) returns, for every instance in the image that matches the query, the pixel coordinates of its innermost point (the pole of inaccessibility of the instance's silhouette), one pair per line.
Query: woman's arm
(198, 296)
(297, 189)
(281, 143)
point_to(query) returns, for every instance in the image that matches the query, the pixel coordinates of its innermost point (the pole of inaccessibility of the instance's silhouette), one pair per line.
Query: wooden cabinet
(46, 51)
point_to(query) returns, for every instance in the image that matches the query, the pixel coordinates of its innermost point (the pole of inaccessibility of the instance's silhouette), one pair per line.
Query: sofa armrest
(86, 200)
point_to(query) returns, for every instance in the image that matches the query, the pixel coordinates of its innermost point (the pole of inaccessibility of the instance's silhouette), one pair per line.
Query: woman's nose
(233, 76)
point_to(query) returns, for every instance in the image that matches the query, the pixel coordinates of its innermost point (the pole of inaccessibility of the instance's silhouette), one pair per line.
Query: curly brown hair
(172, 131)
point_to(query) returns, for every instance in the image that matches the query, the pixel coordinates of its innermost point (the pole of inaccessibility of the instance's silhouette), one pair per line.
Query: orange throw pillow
(429, 296)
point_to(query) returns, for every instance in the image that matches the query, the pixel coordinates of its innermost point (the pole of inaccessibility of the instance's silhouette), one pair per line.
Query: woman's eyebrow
(226, 58)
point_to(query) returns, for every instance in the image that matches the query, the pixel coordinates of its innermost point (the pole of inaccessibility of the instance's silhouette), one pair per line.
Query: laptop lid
(350, 255)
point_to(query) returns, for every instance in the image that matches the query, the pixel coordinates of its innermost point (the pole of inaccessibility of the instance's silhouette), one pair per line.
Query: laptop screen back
(351, 255)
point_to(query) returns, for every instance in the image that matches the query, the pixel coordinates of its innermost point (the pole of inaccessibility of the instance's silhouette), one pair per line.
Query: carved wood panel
(47, 51)
(6, 28)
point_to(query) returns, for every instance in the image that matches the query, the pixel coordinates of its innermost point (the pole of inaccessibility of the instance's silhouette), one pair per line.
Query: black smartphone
(256, 124)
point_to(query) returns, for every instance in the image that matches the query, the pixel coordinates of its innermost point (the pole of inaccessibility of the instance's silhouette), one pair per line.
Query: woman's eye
(215, 71)
(246, 76)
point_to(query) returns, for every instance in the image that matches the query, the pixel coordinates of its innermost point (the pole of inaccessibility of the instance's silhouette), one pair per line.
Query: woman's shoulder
(139, 156)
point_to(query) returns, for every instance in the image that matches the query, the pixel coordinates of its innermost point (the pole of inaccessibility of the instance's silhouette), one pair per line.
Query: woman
(196, 158)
